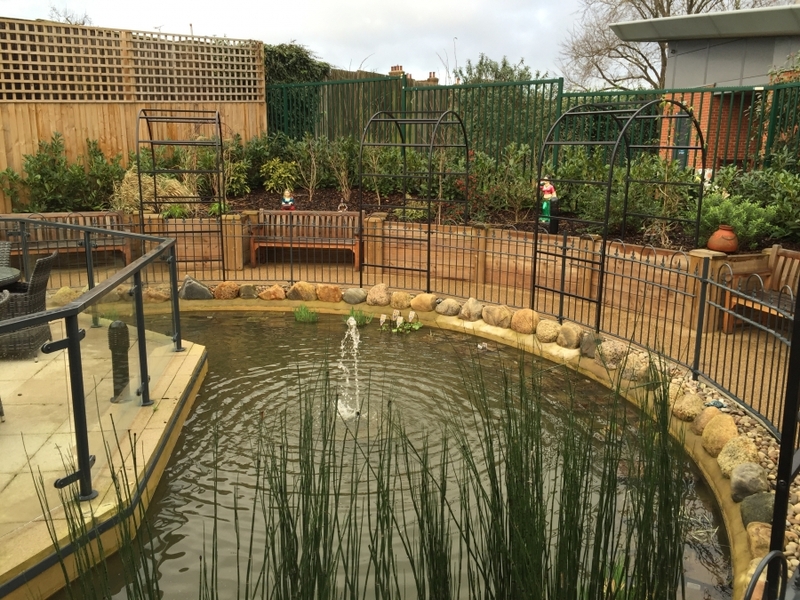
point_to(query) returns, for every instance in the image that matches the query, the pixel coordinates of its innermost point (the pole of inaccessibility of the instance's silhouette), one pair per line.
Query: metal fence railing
(743, 126)
(671, 303)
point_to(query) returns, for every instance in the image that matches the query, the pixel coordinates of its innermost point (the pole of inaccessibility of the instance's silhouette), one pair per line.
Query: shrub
(513, 187)
(236, 178)
(311, 157)
(751, 221)
(278, 175)
(176, 211)
(13, 186)
(51, 183)
(342, 159)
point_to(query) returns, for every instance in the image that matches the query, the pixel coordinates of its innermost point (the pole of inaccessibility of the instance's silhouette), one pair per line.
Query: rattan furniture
(769, 294)
(27, 298)
(5, 254)
(5, 296)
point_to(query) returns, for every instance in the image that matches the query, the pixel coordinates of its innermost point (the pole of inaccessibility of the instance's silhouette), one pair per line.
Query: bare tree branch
(65, 15)
(593, 57)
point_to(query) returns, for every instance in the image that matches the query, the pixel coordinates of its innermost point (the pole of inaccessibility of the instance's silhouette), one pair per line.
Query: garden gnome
(548, 197)
(287, 202)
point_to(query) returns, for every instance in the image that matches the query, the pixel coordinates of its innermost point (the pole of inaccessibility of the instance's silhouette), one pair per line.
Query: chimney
(396, 71)
(432, 78)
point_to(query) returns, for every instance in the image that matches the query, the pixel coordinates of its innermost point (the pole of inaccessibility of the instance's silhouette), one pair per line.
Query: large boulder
(65, 295)
(688, 407)
(699, 424)
(759, 536)
(748, 479)
(448, 307)
(636, 366)
(355, 295)
(194, 290)
(498, 316)
(525, 321)
(610, 353)
(400, 300)
(589, 343)
(155, 295)
(424, 302)
(248, 292)
(274, 292)
(739, 450)
(227, 290)
(302, 290)
(758, 508)
(547, 331)
(569, 336)
(378, 295)
(329, 293)
(471, 311)
(719, 431)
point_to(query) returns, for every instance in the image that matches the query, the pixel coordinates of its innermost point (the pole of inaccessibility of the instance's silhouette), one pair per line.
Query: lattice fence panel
(45, 61)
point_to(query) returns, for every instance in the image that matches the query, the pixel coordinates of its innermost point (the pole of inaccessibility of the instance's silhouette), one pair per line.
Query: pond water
(257, 362)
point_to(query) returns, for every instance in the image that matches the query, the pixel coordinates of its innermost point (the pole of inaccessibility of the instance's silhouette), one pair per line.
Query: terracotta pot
(723, 240)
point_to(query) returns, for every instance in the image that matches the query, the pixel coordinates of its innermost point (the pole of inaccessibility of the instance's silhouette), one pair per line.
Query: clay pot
(723, 240)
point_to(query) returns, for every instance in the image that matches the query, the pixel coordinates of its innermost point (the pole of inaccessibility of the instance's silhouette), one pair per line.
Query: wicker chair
(25, 299)
(5, 254)
(5, 296)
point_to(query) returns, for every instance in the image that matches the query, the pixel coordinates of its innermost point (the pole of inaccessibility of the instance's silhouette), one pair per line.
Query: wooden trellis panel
(55, 62)
(90, 82)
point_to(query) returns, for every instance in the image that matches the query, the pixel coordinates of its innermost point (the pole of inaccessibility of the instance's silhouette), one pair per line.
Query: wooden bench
(771, 292)
(44, 240)
(306, 229)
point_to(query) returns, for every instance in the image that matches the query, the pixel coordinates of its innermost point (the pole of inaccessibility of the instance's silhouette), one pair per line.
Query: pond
(262, 365)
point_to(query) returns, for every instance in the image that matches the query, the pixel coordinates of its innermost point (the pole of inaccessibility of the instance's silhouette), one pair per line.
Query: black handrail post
(291, 248)
(144, 390)
(786, 458)
(172, 259)
(87, 244)
(79, 409)
(563, 278)
(701, 318)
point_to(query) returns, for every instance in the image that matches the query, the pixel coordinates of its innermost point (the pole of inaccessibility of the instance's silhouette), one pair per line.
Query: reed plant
(359, 316)
(303, 314)
(555, 500)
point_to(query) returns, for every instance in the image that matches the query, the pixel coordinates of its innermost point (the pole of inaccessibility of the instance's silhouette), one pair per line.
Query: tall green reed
(586, 504)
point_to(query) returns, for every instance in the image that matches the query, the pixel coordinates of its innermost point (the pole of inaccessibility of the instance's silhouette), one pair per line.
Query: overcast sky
(421, 35)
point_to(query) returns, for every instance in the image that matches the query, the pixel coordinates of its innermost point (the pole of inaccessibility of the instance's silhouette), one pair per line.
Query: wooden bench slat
(43, 240)
(782, 277)
(306, 229)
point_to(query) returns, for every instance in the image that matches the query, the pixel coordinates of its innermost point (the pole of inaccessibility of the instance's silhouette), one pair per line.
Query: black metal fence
(684, 306)
(671, 303)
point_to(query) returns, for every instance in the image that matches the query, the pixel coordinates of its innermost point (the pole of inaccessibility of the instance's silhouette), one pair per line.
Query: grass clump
(359, 316)
(303, 314)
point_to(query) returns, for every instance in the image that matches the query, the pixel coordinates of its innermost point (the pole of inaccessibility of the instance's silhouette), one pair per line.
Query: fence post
(479, 235)
(691, 309)
(373, 250)
(233, 242)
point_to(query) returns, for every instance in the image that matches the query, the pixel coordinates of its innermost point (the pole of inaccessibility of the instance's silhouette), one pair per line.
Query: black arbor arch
(590, 151)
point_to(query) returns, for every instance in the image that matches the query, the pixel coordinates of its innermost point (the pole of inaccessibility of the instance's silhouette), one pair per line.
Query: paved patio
(37, 441)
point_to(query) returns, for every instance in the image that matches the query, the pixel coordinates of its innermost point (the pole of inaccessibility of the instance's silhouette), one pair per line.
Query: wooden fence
(91, 82)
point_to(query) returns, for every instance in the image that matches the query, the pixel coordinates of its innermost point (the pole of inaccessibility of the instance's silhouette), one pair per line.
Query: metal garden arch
(421, 138)
(612, 135)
